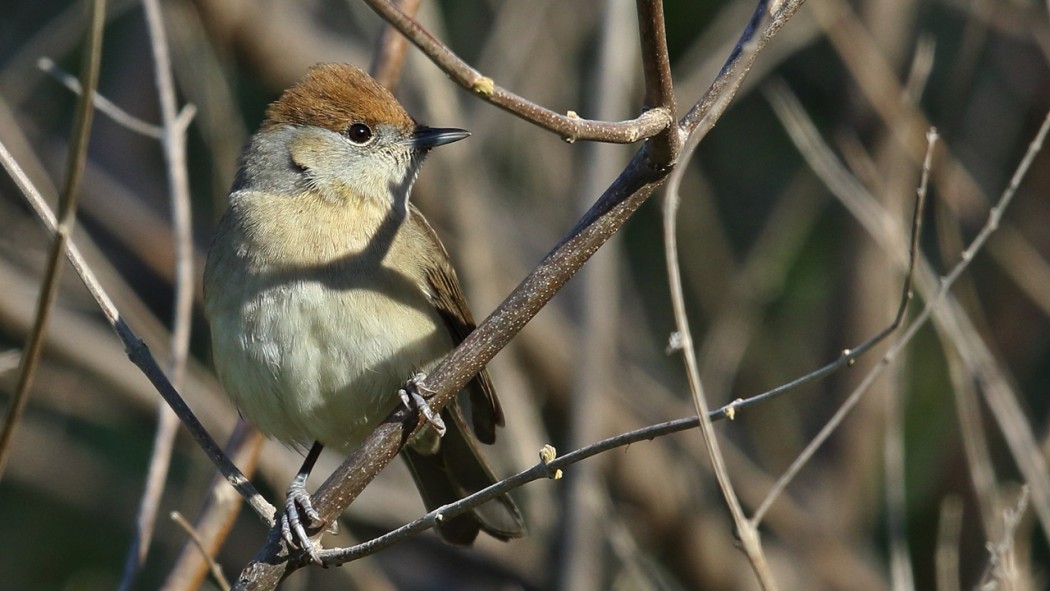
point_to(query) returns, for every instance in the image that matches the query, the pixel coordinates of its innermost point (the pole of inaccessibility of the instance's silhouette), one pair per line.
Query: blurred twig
(390, 49)
(1002, 571)
(102, 103)
(949, 528)
(198, 542)
(137, 350)
(217, 516)
(747, 531)
(1035, 476)
(634, 185)
(173, 142)
(9, 360)
(583, 565)
(902, 570)
(66, 222)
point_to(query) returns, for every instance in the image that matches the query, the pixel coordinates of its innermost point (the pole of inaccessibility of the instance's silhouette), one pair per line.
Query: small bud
(547, 455)
(484, 86)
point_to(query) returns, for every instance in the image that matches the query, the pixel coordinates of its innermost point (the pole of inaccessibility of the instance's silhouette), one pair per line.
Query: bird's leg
(298, 508)
(410, 396)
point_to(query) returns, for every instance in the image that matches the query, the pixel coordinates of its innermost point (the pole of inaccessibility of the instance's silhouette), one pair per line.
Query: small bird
(326, 290)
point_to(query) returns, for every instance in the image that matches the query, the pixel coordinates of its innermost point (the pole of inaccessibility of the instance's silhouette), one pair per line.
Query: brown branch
(198, 543)
(744, 53)
(570, 127)
(136, 349)
(627, 193)
(173, 142)
(390, 49)
(656, 66)
(702, 116)
(66, 222)
(218, 514)
(636, 183)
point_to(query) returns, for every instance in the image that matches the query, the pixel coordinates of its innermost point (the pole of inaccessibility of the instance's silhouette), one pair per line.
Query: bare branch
(67, 220)
(390, 49)
(173, 142)
(570, 127)
(656, 65)
(198, 542)
(949, 529)
(634, 185)
(137, 350)
(1037, 478)
(746, 530)
(103, 104)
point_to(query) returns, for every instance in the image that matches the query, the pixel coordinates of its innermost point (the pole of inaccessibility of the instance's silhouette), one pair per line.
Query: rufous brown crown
(335, 96)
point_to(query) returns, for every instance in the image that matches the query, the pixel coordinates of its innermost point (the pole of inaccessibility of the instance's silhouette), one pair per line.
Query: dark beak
(424, 138)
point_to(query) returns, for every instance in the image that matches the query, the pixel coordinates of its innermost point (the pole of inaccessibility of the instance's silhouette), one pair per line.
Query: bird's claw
(411, 398)
(299, 514)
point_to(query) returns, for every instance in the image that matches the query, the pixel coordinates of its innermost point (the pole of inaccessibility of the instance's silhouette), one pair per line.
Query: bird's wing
(447, 298)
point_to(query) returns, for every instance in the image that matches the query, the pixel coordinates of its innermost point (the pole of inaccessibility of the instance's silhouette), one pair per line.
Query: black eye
(359, 133)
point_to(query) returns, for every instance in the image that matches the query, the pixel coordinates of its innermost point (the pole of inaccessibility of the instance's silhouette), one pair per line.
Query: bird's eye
(359, 133)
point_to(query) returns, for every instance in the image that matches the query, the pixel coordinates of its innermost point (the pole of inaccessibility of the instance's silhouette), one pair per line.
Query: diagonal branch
(570, 127)
(656, 66)
(137, 350)
(644, 174)
(173, 142)
(390, 49)
(67, 218)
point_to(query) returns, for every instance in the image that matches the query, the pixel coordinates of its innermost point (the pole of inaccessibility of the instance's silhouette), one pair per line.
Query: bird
(329, 295)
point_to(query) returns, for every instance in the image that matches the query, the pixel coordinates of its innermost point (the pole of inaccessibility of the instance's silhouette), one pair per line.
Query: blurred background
(792, 234)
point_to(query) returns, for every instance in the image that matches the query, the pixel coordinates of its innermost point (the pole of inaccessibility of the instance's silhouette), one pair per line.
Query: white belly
(306, 362)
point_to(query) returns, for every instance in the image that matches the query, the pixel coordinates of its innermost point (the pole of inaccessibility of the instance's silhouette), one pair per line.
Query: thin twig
(747, 531)
(218, 514)
(656, 66)
(66, 222)
(103, 104)
(570, 127)
(216, 570)
(952, 322)
(583, 526)
(390, 49)
(634, 185)
(173, 142)
(748, 534)
(921, 319)
(902, 570)
(136, 349)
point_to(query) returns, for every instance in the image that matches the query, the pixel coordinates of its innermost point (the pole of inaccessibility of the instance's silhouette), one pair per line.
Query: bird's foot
(299, 514)
(411, 397)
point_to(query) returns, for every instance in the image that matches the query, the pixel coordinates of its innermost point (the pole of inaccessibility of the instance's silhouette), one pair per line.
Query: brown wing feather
(447, 298)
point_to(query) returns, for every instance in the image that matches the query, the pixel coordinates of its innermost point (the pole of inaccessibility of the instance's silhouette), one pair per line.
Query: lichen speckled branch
(569, 126)
(647, 171)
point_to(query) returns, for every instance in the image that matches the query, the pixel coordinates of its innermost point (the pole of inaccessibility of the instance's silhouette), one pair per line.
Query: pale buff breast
(312, 341)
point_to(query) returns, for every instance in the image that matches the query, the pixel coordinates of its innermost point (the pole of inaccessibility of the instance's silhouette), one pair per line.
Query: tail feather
(455, 471)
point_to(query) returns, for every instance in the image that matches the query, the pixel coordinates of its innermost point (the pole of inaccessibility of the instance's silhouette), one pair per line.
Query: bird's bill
(432, 137)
